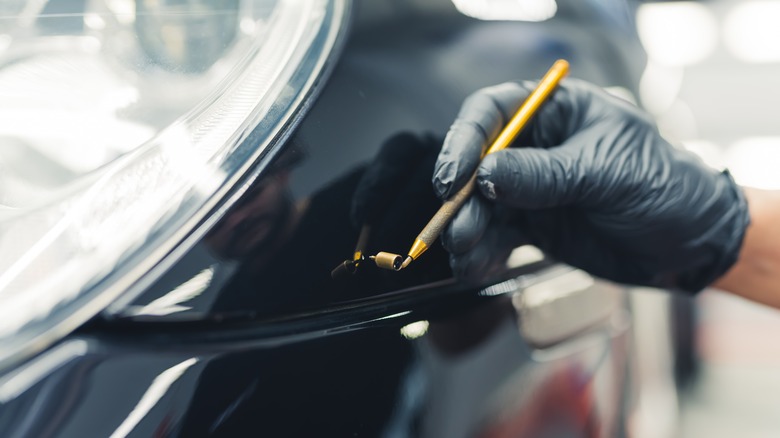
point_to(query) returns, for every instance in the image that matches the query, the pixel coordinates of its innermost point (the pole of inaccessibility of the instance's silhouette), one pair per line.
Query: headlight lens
(121, 126)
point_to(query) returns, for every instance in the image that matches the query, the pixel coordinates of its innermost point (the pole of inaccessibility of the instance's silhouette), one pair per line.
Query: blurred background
(713, 83)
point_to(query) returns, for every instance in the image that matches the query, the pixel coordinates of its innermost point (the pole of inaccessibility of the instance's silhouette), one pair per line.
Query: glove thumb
(530, 178)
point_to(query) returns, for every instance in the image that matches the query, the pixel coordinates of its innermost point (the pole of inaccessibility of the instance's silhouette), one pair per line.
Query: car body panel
(466, 374)
(246, 334)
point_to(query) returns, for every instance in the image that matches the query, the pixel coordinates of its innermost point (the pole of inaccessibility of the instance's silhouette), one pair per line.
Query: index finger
(479, 121)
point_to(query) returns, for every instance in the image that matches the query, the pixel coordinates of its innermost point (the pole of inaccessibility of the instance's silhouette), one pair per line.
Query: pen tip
(406, 262)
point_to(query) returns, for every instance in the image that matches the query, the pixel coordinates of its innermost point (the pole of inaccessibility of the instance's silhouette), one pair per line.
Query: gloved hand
(591, 182)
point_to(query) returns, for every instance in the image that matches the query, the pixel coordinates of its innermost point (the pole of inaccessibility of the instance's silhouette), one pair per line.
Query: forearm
(756, 275)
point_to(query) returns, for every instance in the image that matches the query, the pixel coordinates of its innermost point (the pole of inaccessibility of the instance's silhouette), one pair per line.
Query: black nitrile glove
(591, 182)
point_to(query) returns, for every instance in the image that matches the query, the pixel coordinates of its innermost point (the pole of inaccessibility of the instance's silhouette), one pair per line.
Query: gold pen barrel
(529, 107)
(436, 225)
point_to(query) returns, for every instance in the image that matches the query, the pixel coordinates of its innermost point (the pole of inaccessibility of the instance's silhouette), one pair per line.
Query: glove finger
(574, 106)
(379, 184)
(481, 118)
(488, 256)
(468, 226)
(559, 117)
(531, 178)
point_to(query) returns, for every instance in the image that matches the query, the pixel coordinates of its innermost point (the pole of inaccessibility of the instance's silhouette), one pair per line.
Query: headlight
(122, 125)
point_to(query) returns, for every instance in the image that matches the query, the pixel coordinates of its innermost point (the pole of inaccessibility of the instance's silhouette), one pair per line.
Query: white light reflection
(5, 42)
(28, 375)
(173, 300)
(394, 315)
(753, 162)
(679, 33)
(414, 330)
(124, 10)
(94, 21)
(156, 391)
(520, 10)
(659, 86)
(78, 98)
(556, 288)
(751, 31)
(524, 255)
(248, 26)
(505, 287)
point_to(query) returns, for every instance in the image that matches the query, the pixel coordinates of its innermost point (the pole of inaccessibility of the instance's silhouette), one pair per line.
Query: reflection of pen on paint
(451, 206)
(350, 266)
(384, 260)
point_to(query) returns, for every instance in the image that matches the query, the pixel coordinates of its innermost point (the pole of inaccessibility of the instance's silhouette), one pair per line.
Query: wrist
(720, 228)
(756, 274)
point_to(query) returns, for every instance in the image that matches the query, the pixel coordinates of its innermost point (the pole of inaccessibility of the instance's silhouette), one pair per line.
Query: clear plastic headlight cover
(122, 123)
